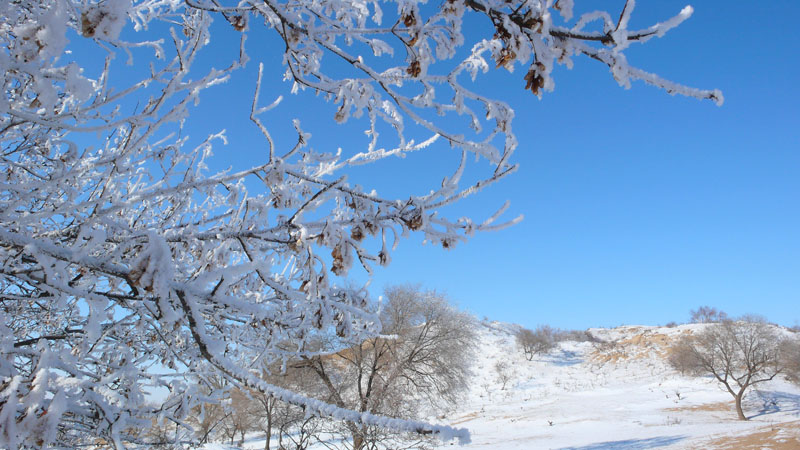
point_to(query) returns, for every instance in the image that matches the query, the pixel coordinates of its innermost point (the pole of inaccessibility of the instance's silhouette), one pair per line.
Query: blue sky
(638, 206)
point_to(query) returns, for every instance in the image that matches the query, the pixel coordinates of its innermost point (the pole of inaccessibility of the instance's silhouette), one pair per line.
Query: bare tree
(707, 314)
(230, 412)
(243, 417)
(208, 415)
(272, 414)
(504, 373)
(536, 342)
(268, 410)
(120, 249)
(738, 354)
(791, 358)
(287, 421)
(421, 360)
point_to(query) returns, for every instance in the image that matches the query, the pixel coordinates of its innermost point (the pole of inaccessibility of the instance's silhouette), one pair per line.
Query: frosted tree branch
(128, 266)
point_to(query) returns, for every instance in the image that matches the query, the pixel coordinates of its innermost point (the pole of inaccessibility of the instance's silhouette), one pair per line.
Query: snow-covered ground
(591, 396)
(585, 396)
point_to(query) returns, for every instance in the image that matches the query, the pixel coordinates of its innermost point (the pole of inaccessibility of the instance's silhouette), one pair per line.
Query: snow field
(594, 396)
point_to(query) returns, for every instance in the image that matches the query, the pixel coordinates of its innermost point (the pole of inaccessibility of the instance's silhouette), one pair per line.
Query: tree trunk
(269, 429)
(358, 442)
(739, 405)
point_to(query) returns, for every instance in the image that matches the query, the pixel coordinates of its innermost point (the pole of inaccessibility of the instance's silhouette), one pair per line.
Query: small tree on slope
(738, 354)
(128, 266)
(536, 342)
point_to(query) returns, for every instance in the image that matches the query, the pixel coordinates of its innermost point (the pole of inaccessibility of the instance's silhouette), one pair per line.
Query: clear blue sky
(638, 206)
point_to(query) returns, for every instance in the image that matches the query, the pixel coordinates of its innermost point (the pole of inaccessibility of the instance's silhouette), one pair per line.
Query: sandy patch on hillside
(780, 436)
(465, 418)
(643, 344)
(710, 407)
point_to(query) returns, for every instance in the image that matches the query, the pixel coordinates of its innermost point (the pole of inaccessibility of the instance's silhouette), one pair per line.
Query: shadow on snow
(631, 444)
(562, 358)
(774, 401)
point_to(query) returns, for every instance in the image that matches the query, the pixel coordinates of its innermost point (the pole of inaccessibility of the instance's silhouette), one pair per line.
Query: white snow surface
(585, 396)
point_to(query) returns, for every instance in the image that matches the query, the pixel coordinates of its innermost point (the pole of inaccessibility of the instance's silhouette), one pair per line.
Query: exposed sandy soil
(710, 407)
(643, 343)
(465, 418)
(780, 436)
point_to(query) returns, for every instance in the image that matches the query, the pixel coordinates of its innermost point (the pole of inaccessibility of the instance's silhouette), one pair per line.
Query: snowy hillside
(618, 395)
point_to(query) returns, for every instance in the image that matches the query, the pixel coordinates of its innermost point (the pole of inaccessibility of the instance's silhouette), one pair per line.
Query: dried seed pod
(409, 19)
(414, 69)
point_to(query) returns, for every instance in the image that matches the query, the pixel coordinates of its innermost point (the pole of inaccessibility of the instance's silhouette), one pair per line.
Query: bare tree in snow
(738, 354)
(707, 314)
(420, 362)
(242, 416)
(791, 358)
(536, 342)
(208, 416)
(288, 422)
(127, 265)
(504, 372)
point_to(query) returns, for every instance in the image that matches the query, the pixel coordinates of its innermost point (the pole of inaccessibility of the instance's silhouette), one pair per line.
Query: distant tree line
(545, 338)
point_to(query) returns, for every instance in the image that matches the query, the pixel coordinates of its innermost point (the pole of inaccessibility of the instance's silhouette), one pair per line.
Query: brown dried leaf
(239, 23)
(409, 20)
(415, 221)
(414, 69)
(338, 260)
(88, 26)
(357, 233)
(506, 58)
(370, 227)
(340, 114)
(534, 79)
